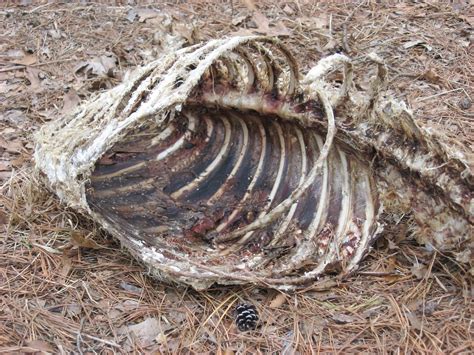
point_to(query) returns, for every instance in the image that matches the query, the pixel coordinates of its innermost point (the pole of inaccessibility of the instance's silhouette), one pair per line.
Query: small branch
(345, 42)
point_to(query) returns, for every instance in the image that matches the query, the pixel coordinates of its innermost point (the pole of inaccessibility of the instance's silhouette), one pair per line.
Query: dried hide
(217, 164)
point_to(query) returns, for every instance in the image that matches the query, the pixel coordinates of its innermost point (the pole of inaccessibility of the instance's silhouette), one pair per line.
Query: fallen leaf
(66, 266)
(3, 218)
(127, 305)
(131, 288)
(15, 53)
(39, 345)
(278, 301)
(15, 117)
(73, 310)
(263, 25)
(186, 31)
(54, 34)
(322, 21)
(392, 245)
(28, 59)
(4, 87)
(5, 175)
(468, 19)
(323, 284)
(12, 146)
(319, 22)
(98, 66)
(161, 338)
(331, 44)
(146, 332)
(32, 74)
(46, 248)
(465, 103)
(418, 42)
(419, 270)
(70, 101)
(431, 76)
(288, 10)
(414, 321)
(5, 166)
(250, 4)
(141, 14)
(238, 20)
(343, 318)
(79, 239)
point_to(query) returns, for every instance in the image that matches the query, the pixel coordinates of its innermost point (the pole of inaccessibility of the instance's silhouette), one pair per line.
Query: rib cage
(215, 164)
(221, 170)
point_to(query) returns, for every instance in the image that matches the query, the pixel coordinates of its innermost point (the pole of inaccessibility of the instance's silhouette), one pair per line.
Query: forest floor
(60, 292)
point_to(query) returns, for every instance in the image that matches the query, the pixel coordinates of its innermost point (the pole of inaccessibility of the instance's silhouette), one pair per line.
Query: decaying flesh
(216, 164)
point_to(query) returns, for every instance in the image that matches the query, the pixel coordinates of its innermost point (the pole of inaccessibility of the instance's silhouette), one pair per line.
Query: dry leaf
(250, 5)
(392, 245)
(343, 318)
(141, 14)
(32, 74)
(73, 310)
(146, 332)
(5, 166)
(28, 59)
(39, 345)
(130, 288)
(238, 20)
(70, 101)
(288, 10)
(3, 218)
(98, 66)
(419, 271)
(431, 76)
(5, 175)
(414, 321)
(46, 248)
(54, 34)
(186, 31)
(79, 239)
(127, 305)
(12, 146)
(16, 117)
(465, 103)
(322, 21)
(468, 19)
(417, 42)
(161, 338)
(323, 284)
(15, 54)
(278, 301)
(66, 266)
(263, 25)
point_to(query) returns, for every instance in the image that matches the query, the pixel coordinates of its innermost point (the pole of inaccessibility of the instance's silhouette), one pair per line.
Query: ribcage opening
(210, 173)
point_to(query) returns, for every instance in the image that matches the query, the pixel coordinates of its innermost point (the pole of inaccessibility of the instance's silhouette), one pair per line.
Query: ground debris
(304, 323)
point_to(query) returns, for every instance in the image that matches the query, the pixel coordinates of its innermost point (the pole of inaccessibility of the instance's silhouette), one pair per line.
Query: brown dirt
(65, 286)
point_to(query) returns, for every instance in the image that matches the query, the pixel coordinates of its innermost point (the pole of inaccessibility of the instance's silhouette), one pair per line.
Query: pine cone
(247, 317)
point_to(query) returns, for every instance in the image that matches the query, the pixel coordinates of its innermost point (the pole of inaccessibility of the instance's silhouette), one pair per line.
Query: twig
(378, 273)
(111, 343)
(79, 337)
(345, 42)
(23, 66)
(439, 94)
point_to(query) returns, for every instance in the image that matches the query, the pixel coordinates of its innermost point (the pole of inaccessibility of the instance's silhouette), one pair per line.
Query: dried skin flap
(215, 164)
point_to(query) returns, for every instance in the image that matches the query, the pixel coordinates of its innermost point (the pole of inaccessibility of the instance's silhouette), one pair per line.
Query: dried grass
(58, 296)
